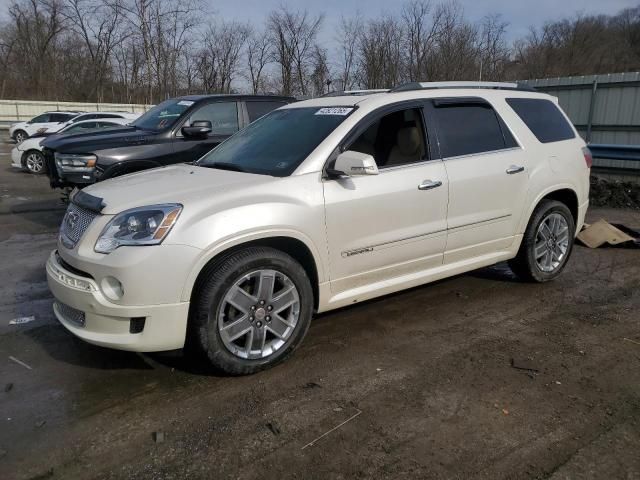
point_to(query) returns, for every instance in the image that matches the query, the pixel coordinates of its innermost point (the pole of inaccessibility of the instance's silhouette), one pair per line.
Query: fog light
(112, 288)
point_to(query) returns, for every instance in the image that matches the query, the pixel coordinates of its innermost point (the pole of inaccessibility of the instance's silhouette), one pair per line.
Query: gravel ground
(607, 193)
(414, 385)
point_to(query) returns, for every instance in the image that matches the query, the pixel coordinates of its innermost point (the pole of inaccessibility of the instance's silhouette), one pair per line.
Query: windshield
(277, 143)
(163, 115)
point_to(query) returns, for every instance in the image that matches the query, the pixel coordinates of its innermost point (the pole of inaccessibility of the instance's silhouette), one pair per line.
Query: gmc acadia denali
(318, 205)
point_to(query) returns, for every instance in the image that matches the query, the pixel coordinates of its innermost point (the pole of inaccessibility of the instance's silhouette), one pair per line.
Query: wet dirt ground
(413, 385)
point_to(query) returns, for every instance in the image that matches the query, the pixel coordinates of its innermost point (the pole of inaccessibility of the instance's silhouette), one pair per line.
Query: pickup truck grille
(74, 224)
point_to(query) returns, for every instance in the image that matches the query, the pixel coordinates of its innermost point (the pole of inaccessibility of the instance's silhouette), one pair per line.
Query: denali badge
(350, 253)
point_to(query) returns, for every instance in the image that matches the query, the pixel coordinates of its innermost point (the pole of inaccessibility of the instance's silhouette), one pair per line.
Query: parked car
(175, 131)
(28, 154)
(319, 205)
(52, 122)
(20, 131)
(129, 116)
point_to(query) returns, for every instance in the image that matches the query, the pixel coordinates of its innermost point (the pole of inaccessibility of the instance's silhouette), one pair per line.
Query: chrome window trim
(490, 152)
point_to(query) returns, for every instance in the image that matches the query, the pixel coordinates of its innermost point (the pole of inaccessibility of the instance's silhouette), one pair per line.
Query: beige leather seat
(408, 147)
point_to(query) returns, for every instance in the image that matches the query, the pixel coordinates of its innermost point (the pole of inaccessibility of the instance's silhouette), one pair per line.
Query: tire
(20, 136)
(227, 301)
(547, 243)
(34, 162)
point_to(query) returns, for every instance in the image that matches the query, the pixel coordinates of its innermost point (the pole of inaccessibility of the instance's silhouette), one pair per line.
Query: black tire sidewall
(543, 210)
(212, 291)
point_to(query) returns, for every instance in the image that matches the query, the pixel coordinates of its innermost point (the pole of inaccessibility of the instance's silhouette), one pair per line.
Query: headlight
(75, 162)
(138, 226)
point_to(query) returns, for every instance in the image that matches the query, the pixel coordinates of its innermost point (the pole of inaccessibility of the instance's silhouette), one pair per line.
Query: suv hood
(185, 184)
(94, 141)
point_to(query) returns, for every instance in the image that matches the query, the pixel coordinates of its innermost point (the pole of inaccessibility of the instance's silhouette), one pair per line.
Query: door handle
(429, 184)
(513, 169)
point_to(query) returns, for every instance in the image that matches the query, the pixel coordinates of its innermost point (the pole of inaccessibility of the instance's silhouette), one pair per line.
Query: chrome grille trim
(75, 222)
(70, 314)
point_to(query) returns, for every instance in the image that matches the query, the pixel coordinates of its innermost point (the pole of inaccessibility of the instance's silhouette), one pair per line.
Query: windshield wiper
(225, 166)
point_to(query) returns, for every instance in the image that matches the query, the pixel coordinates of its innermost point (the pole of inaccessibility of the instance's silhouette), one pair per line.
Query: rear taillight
(588, 158)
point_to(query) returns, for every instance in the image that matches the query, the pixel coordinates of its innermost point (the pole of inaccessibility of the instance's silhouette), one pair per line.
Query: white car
(28, 154)
(52, 122)
(48, 121)
(318, 205)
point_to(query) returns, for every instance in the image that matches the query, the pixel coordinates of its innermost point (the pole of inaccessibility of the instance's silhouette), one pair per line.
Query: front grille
(70, 314)
(75, 223)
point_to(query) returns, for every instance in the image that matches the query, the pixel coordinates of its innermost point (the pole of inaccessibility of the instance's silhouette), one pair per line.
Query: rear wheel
(251, 310)
(547, 243)
(34, 162)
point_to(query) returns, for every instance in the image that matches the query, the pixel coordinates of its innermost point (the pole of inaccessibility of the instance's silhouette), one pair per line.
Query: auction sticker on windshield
(186, 103)
(334, 111)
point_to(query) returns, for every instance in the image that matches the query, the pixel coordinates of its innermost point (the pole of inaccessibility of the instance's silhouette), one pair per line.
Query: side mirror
(199, 128)
(354, 164)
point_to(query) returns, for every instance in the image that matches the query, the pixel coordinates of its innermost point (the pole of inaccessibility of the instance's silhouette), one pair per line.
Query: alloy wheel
(552, 242)
(258, 314)
(34, 162)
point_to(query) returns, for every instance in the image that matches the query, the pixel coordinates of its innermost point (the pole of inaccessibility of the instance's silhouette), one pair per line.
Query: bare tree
(37, 24)
(218, 61)
(494, 53)
(99, 25)
(422, 30)
(292, 36)
(258, 56)
(320, 74)
(348, 34)
(7, 43)
(380, 53)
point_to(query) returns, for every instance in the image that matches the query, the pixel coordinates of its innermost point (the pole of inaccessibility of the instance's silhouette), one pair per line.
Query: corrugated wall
(604, 108)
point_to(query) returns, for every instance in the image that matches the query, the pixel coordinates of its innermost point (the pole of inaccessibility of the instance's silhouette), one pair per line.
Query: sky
(520, 14)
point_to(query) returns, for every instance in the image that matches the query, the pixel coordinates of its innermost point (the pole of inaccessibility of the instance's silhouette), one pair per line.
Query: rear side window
(258, 109)
(470, 128)
(543, 118)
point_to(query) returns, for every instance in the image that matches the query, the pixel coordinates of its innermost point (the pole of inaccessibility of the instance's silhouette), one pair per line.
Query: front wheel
(547, 243)
(20, 136)
(34, 162)
(251, 310)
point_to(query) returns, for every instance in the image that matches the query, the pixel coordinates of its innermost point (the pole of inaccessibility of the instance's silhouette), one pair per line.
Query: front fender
(247, 237)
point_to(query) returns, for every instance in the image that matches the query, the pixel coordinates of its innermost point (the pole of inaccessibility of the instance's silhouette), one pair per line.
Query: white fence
(20, 110)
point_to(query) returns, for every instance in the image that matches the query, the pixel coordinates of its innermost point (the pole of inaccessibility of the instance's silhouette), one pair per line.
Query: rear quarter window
(543, 118)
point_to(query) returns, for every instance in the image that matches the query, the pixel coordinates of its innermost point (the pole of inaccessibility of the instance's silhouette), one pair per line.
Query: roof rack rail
(356, 93)
(486, 85)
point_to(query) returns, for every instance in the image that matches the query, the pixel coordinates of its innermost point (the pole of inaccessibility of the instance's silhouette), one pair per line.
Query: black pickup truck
(174, 131)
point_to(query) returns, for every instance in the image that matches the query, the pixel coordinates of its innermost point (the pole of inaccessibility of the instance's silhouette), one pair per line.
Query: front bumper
(16, 158)
(87, 313)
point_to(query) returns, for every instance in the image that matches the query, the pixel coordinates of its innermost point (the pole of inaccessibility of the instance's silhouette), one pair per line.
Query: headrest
(408, 140)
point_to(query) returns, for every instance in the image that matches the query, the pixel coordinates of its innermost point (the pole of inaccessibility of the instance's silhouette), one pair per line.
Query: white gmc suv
(318, 205)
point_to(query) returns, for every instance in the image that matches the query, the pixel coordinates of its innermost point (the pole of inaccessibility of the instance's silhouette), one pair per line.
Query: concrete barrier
(12, 111)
